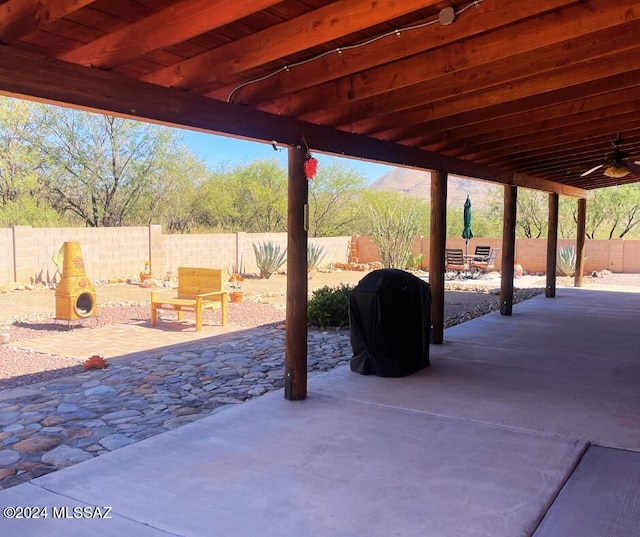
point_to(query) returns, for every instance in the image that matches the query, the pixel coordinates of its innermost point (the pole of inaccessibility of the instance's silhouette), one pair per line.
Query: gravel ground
(27, 314)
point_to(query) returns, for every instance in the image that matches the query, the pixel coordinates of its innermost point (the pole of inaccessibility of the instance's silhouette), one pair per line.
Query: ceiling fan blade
(591, 170)
(634, 167)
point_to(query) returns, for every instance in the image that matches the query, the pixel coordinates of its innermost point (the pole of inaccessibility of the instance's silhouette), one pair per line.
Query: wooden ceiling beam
(603, 120)
(538, 91)
(505, 89)
(173, 25)
(487, 77)
(533, 123)
(21, 17)
(564, 153)
(564, 101)
(314, 28)
(487, 17)
(429, 69)
(28, 75)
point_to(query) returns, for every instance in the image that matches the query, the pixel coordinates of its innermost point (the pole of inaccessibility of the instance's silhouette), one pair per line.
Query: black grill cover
(390, 323)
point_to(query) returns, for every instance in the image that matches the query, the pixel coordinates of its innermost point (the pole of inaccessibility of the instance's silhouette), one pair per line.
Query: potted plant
(235, 285)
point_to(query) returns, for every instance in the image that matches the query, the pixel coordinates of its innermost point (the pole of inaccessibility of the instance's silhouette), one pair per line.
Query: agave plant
(269, 258)
(566, 261)
(315, 255)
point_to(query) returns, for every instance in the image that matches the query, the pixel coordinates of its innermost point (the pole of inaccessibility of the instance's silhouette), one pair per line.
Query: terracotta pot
(236, 296)
(144, 276)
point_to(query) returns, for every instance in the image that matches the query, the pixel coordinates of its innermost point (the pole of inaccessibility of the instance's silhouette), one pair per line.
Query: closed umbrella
(466, 232)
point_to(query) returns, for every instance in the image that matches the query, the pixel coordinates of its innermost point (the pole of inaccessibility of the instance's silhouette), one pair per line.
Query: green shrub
(269, 258)
(414, 261)
(315, 255)
(329, 306)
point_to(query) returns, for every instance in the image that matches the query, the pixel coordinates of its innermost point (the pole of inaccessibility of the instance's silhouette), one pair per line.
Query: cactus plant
(269, 258)
(315, 255)
(566, 261)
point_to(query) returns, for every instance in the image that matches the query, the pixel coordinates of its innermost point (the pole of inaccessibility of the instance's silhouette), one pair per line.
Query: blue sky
(216, 150)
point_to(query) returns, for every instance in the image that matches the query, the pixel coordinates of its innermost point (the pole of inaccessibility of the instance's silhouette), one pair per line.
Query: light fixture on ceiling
(447, 16)
(617, 172)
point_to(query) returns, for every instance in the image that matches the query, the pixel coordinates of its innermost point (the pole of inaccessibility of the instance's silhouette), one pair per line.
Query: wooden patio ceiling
(513, 91)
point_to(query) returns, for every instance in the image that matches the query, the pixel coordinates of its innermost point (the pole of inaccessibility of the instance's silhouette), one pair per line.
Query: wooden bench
(198, 289)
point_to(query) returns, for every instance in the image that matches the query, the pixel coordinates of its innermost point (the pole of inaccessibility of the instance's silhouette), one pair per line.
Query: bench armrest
(213, 293)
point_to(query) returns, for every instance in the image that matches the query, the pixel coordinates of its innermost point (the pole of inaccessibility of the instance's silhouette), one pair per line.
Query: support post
(296, 321)
(580, 241)
(552, 246)
(508, 249)
(437, 244)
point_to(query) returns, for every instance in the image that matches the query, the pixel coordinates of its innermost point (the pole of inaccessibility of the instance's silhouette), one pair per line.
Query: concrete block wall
(336, 248)
(106, 252)
(27, 253)
(198, 250)
(630, 255)
(617, 255)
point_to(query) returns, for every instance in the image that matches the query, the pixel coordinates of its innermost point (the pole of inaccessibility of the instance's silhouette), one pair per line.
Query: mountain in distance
(417, 183)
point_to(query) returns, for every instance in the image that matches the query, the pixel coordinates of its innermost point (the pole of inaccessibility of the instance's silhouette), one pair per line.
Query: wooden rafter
(178, 23)
(480, 63)
(20, 17)
(317, 27)
(537, 124)
(332, 67)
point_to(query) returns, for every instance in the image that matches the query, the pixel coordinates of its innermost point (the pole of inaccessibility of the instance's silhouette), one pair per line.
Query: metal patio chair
(481, 268)
(455, 266)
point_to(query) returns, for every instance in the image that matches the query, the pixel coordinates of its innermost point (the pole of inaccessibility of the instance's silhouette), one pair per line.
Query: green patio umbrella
(466, 232)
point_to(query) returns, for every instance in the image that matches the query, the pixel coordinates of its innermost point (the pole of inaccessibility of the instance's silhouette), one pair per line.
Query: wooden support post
(580, 241)
(508, 249)
(437, 244)
(296, 321)
(552, 245)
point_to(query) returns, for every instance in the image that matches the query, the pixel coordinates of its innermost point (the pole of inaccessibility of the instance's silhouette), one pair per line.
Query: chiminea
(75, 294)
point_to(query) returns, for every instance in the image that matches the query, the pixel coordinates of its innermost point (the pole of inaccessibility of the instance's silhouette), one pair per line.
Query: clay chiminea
(75, 294)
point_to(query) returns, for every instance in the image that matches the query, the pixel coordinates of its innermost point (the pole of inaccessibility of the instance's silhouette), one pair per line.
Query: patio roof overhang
(517, 92)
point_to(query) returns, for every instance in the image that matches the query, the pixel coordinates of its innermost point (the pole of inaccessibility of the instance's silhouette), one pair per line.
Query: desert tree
(334, 200)
(22, 196)
(107, 171)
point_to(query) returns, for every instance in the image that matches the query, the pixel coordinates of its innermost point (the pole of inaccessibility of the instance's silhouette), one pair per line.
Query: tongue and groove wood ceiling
(521, 92)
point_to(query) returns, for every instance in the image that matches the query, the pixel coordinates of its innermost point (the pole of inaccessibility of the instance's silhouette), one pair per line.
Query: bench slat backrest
(195, 281)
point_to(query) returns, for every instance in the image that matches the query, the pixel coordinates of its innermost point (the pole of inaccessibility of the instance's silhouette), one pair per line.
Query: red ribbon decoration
(310, 168)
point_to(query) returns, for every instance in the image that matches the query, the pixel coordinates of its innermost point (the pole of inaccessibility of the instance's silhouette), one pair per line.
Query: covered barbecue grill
(390, 319)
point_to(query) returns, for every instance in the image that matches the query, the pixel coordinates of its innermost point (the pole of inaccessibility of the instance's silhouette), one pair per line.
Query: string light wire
(339, 50)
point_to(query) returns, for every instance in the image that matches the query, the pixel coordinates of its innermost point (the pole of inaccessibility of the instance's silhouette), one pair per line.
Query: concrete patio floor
(523, 425)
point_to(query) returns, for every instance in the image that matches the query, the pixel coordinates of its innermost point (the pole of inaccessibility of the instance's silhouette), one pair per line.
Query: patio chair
(454, 263)
(482, 253)
(481, 268)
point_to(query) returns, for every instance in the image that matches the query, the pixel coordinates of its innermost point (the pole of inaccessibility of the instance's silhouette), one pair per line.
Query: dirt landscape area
(38, 302)
(30, 312)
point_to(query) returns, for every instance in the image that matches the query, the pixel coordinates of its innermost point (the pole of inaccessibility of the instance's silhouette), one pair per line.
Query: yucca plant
(315, 255)
(566, 261)
(269, 258)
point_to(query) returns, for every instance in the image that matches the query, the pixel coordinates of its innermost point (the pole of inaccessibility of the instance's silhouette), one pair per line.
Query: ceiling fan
(617, 165)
